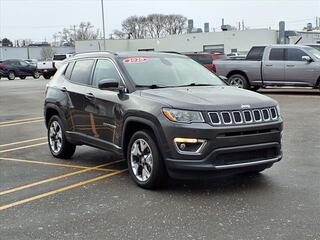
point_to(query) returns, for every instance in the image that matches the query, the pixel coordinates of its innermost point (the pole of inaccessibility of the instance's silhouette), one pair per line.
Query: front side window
(293, 54)
(276, 54)
(168, 71)
(104, 69)
(82, 71)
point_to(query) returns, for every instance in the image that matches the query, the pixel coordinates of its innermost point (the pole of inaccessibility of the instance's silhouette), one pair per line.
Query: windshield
(314, 52)
(168, 72)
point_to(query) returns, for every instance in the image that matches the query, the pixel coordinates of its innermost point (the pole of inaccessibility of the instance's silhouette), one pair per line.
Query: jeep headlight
(182, 116)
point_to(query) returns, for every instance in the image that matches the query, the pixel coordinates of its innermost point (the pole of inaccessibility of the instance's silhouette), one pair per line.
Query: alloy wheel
(141, 160)
(55, 137)
(237, 82)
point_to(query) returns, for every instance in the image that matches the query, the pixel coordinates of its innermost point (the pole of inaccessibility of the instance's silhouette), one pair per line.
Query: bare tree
(156, 24)
(153, 26)
(175, 24)
(47, 53)
(118, 34)
(85, 31)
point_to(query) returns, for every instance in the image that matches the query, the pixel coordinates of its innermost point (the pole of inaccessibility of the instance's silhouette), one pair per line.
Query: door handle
(268, 65)
(64, 89)
(290, 65)
(89, 96)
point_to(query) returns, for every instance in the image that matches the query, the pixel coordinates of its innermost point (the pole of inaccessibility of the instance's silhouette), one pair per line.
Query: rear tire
(238, 80)
(11, 75)
(145, 163)
(58, 143)
(46, 76)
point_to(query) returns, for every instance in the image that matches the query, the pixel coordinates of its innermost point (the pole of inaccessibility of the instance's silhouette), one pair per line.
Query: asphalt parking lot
(92, 196)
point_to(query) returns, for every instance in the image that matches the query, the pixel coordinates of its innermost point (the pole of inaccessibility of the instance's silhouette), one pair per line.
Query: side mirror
(306, 59)
(224, 79)
(110, 84)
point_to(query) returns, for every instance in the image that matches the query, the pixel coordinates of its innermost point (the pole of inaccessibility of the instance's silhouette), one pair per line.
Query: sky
(40, 19)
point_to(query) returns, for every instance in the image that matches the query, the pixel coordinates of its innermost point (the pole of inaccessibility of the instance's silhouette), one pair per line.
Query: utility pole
(103, 26)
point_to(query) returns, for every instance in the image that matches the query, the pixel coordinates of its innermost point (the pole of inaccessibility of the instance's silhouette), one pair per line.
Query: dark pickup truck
(164, 113)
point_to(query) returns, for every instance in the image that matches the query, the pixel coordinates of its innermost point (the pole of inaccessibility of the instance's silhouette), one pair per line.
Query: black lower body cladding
(227, 150)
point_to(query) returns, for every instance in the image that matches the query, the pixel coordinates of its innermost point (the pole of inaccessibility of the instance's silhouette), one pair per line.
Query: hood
(208, 98)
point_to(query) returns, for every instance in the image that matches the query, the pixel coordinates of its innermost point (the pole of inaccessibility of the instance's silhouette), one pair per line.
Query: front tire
(238, 80)
(58, 143)
(145, 163)
(36, 75)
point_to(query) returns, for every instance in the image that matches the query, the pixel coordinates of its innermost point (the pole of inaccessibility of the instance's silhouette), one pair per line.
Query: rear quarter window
(202, 58)
(59, 57)
(255, 54)
(68, 70)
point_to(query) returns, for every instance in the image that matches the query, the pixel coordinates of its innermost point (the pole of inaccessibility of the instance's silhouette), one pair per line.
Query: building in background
(31, 52)
(222, 42)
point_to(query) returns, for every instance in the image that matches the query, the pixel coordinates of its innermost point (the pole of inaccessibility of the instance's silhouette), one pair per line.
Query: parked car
(49, 68)
(164, 113)
(13, 68)
(275, 65)
(204, 59)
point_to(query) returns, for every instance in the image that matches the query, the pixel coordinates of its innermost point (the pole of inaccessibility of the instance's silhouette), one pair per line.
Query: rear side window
(202, 58)
(59, 57)
(277, 54)
(68, 71)
(255, 54)
(82, 71)
(294, 54)
(104, 70)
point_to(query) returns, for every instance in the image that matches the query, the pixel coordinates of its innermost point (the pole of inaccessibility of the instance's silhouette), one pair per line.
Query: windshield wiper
(197, 84)
(152, 86)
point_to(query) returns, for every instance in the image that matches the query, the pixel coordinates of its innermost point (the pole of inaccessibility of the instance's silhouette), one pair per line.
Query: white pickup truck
(274, 65)
(49, 68)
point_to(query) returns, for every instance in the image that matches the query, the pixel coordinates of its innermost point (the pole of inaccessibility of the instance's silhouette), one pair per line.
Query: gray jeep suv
(165, 113)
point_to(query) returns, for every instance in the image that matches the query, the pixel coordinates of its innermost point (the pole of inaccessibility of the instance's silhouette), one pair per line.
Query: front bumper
(228, 150)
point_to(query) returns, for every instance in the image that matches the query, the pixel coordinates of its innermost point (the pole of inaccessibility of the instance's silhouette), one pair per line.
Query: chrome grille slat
(245, 116)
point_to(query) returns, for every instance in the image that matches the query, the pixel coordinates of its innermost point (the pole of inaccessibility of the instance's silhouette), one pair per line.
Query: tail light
(2, 66)
(214, 69)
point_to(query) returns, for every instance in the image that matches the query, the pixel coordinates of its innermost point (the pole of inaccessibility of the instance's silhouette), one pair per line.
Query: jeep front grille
(244, 116)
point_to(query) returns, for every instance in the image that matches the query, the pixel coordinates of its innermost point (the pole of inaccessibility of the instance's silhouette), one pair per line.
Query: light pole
(103, 26)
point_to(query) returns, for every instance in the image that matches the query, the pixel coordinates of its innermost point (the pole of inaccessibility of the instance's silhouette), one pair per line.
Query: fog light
(186, 140)
(182, 146)
(189, 145)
